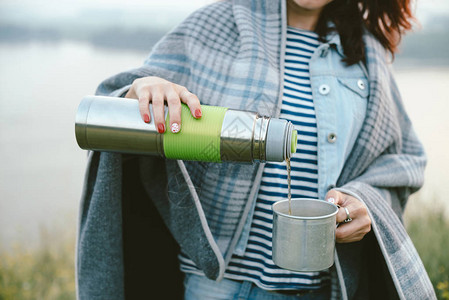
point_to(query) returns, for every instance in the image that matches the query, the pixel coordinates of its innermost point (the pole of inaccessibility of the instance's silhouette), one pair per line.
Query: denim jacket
(340, 95)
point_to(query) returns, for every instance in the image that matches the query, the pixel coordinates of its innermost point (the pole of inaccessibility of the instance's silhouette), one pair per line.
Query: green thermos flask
(221, 134)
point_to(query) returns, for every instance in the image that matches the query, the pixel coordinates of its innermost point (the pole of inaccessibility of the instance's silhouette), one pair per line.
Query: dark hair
(387, 20)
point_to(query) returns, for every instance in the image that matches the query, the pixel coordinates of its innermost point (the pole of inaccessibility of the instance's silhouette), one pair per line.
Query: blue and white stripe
(297, 106)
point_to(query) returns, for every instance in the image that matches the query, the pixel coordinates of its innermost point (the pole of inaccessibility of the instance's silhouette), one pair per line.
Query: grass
(428, 227)
(47, 271)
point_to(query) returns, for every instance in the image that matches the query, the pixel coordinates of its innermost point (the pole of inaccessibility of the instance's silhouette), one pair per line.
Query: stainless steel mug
(305, 240)
(222, 134)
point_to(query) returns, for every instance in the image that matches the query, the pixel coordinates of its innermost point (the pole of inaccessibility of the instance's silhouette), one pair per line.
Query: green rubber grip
(294, 141)
(199, 139)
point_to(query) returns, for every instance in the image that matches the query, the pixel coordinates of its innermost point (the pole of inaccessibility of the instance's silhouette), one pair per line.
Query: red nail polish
(146, 118)
(198, 113)
(161, 128)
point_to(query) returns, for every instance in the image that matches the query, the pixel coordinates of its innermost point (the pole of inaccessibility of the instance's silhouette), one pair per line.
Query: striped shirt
(297, 106)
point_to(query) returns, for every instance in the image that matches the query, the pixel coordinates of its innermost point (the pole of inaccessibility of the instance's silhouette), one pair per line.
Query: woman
(321, 64)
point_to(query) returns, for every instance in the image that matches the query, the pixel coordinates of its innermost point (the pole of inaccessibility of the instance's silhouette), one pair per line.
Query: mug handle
(338, 224)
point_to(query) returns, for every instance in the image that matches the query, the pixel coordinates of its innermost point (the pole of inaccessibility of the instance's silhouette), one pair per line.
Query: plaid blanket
(231, 54)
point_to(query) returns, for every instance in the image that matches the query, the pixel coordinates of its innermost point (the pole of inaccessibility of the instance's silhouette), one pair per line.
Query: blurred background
(54, 52)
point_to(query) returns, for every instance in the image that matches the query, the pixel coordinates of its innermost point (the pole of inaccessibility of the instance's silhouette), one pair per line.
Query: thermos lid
(280, 132)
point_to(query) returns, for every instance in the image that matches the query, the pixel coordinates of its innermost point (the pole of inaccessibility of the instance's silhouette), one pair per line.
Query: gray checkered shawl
(231, 54)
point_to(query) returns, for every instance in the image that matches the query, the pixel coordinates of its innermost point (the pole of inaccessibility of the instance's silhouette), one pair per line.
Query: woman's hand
(157, 90)
(360, 225)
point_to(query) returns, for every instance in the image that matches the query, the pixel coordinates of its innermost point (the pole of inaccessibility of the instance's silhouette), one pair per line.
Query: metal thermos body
(114, 124)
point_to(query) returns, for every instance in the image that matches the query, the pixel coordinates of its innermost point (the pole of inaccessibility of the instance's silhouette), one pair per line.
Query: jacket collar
(333, 40)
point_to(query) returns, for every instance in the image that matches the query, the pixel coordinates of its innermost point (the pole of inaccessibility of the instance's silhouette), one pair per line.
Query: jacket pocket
(357, 85)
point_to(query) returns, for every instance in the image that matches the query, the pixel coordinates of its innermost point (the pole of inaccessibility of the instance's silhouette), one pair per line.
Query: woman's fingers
(192, 102)
(174, 109)
(354, 212)
(142, 93)
(158, 109)
(350, 211)
(137, 91)
(346, 213)
(351, 232)
(157, 90)
(144, 100)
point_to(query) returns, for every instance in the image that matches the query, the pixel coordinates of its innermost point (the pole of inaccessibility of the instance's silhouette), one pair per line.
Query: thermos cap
(281, 140)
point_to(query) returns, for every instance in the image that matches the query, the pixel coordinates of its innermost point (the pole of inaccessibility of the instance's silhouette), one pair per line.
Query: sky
(168, 11)
(27, 12)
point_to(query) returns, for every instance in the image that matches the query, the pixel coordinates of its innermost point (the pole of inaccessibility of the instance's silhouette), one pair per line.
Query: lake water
(42, 168)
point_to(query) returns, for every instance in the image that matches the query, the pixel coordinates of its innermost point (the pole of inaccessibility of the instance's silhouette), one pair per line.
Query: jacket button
(332, 138)
(361, 84)
(324, 89)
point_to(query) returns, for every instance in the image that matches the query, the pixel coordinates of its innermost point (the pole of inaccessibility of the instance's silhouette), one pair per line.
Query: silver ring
(348, 218)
